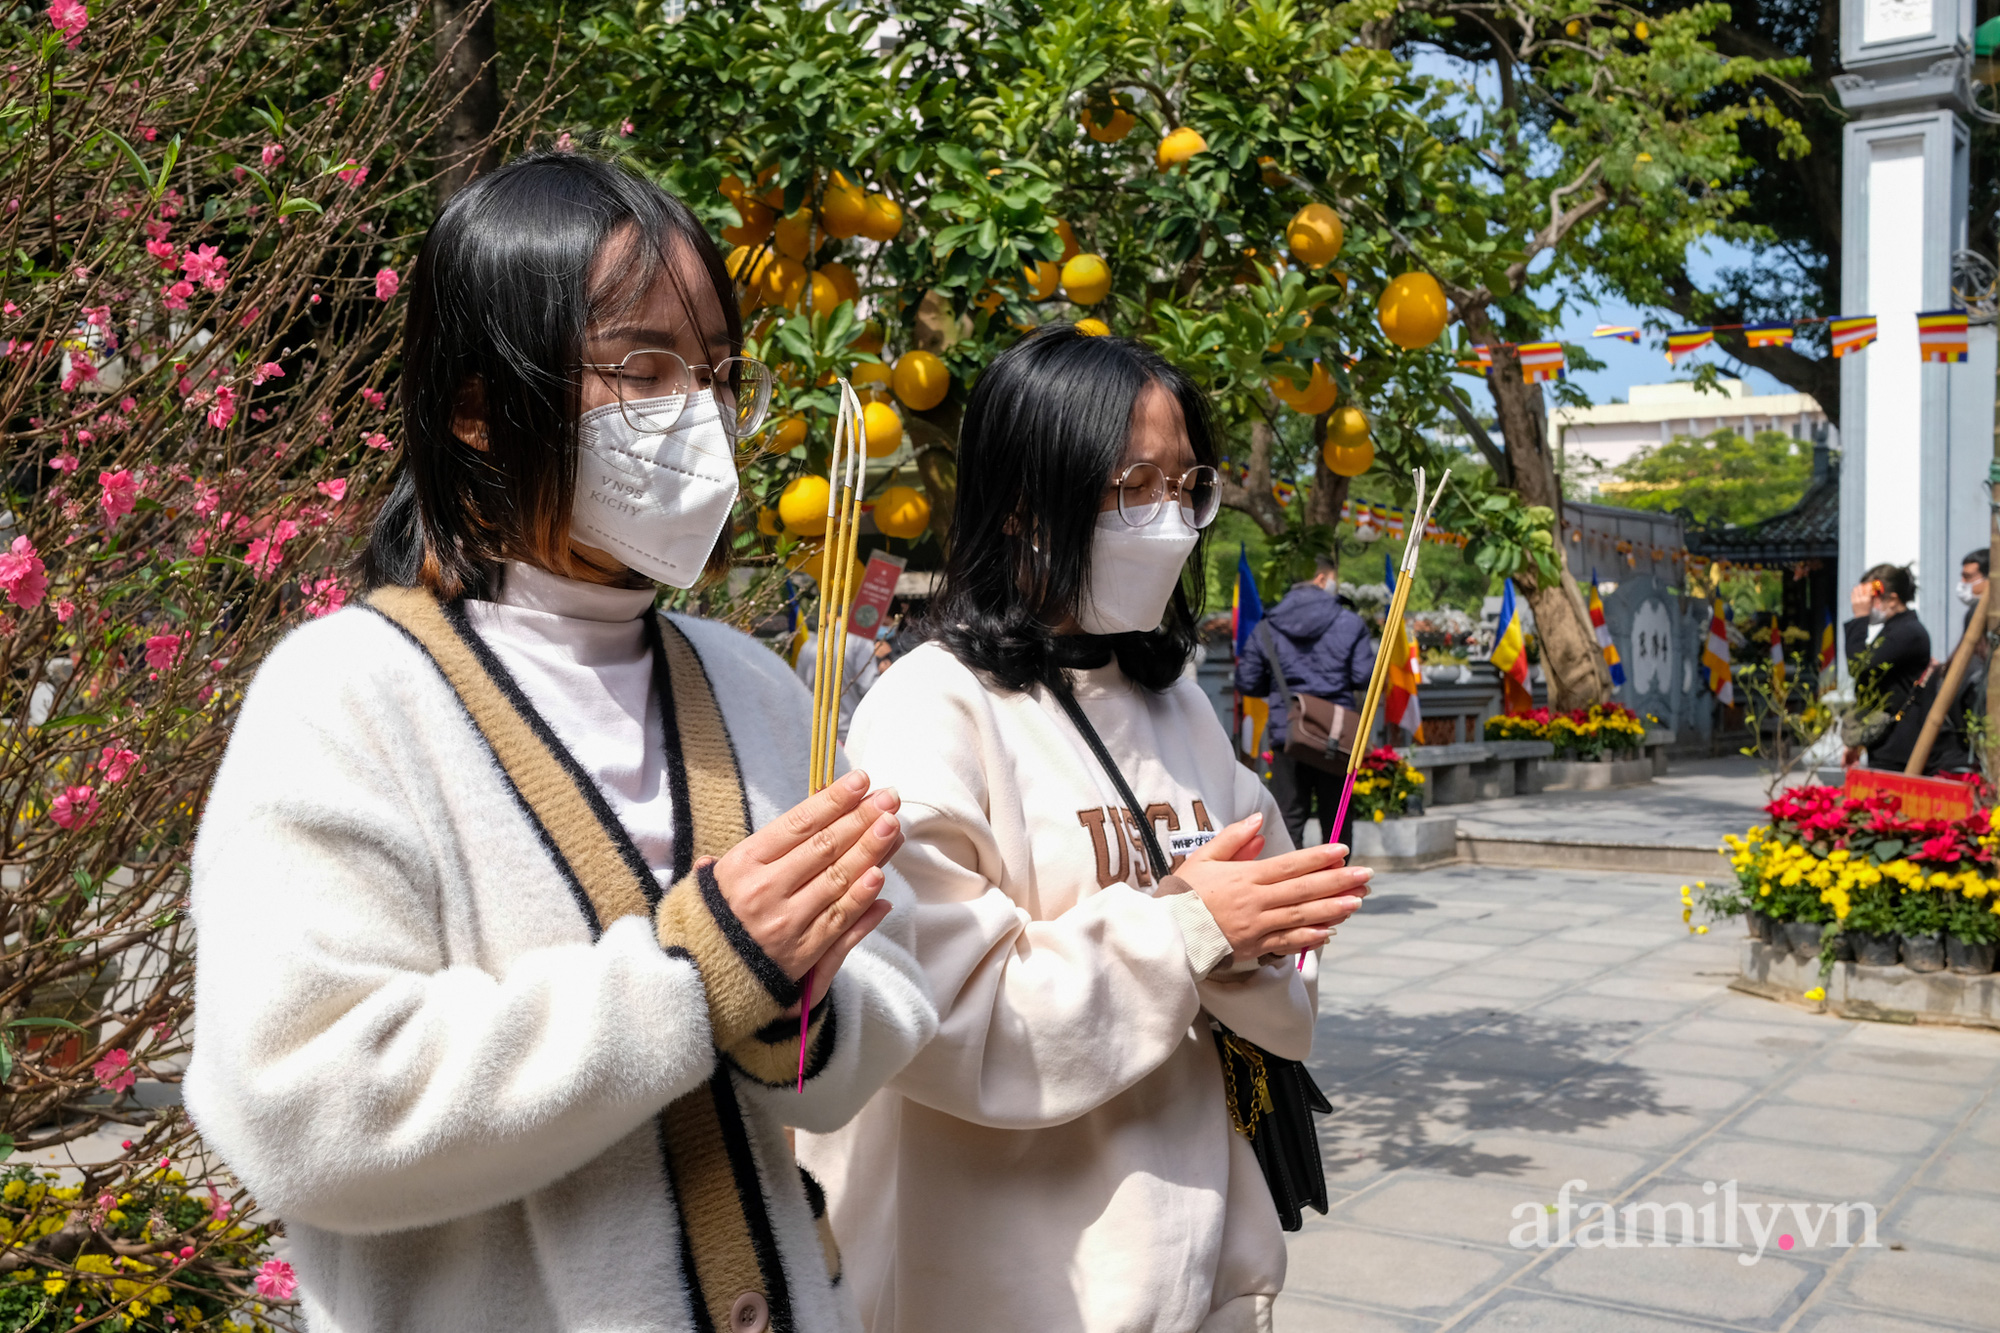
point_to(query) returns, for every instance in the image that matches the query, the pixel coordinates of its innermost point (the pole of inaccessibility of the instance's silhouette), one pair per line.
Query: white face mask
(1133, 571)
(658, 501)
(1967, 594)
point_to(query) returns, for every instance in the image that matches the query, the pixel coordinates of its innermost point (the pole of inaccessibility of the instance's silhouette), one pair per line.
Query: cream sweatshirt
(412, 1049)
(1060, 1156)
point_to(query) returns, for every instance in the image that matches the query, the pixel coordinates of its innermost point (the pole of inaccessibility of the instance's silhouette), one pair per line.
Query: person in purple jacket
(1324, 648)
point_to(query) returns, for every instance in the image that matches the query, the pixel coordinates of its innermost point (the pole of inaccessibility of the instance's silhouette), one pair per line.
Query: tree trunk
(1570, 656)
(465, 41)
(1329, 488)
(1253, 496)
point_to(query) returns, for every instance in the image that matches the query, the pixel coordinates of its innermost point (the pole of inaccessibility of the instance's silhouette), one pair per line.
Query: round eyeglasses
(1142, 489)
(653, 387)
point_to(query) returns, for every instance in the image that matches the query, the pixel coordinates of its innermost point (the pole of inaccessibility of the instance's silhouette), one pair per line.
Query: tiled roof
(1809, 530)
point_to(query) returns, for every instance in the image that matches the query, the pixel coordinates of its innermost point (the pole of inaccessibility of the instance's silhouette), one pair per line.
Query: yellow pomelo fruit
(1042, 279)
(1573, 28)
(822, 292)
(1115, 127)
(842, 209)
(1070, 248)
(868, 375)
(767, 522)
(1086, 279)
(843, 280)
(731, 188)
(1273, 177)
(902, 511)
(795, 234)
(757, 223)
(802, 506)
(1315, 235)
(1412, 310)
(1641, 31)
(789, 435)
(920, 380)
(883, 219)
(1319, 395)
(748, 266)
(1178, 147)
(870, 340)
(1346, 427)
(1349, 460)
(784, 282)
(882, 429)
(987, 300)
(1096, 328)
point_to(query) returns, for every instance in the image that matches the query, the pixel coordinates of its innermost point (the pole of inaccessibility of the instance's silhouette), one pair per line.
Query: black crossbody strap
(1096, 743)
(1270, 642)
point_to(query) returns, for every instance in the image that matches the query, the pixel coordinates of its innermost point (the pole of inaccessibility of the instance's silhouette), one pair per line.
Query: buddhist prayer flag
(1685, 342)
(1624, 333)
(1510, 654)
(1541, 361)
(1604, 633)
(1851, 335)
(1777, 661)
(1826, 657)
(1941, 335)
(1405, 672)
(1715, 657)
(1484, 362)
(1768, 335)
(1245, 610)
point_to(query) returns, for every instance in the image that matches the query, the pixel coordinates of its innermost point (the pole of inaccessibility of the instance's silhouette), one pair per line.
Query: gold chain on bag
(1260, 1087)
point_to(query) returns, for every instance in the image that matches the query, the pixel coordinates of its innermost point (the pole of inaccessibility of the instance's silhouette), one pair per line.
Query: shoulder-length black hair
(1044, 431)
(500, 297)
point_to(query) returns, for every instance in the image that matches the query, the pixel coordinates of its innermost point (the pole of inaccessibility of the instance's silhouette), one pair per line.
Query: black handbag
(1271, 1100)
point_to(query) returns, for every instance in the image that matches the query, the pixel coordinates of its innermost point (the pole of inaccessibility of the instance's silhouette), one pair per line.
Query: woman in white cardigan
(508, 888)
(1062, 1157)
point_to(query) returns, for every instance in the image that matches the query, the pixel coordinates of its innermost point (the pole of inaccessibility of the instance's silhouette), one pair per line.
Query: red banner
(1923, 798)
(878, 589)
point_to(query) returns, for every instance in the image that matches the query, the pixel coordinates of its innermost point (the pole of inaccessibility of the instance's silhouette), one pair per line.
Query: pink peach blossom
(207, 267)
(323, 597)
(270, 370)
(386, 283)
(626, 129)
(206, 498)
(375, 79)
(273, 154)
(64, 610)
(276, 1280)
(115, 1072)
(73, 807)
(120, 493)
(70, 18)
(335, 490)
(375, 398)
(115, 762)
(352, 175)
(176, 296)
(224, 410)
(23, 575)
(161, 650)
(377, 440)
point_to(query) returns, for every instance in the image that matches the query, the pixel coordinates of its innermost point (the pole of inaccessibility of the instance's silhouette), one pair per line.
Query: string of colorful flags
(1941, 337)
(1395, 522)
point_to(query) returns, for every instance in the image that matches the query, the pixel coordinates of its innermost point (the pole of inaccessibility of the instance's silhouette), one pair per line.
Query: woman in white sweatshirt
(1061, 1157)
(508, 889)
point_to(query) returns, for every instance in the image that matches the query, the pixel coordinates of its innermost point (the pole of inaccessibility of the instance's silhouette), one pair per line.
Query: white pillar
(1916, 437)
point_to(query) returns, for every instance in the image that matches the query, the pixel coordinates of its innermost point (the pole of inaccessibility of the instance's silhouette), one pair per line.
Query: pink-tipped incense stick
(1392, 626)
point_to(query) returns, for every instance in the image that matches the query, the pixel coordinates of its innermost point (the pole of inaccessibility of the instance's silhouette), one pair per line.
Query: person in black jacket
(1888, 652)
(1952, 750)
(1324, 648)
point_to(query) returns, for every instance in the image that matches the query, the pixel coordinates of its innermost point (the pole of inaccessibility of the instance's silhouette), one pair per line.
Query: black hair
(1044, 429)
(1326, 563)
(1896, 580)
(500, 298)
(1979, 557)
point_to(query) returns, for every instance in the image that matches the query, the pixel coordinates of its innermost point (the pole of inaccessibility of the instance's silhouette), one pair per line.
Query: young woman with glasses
(507, 886)
(1062, 1155)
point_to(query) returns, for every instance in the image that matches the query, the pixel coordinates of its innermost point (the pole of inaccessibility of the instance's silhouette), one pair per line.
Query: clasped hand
(806, 885)
(1285, 905)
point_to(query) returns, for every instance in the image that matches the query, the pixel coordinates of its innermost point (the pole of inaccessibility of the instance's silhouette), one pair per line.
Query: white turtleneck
(578, 650)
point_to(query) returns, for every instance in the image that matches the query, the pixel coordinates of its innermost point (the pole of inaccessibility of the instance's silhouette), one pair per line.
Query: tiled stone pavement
(1487, 1034)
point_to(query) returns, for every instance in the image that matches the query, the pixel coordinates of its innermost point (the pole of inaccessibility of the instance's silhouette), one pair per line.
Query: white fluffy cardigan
(411, 1049)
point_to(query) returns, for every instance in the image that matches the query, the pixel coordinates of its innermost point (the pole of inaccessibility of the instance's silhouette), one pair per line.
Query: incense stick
(1392, 624)
(844, 483)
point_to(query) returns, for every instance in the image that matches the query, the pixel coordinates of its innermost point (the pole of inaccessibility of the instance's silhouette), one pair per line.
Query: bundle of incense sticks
(1392, 638)
(844, 481)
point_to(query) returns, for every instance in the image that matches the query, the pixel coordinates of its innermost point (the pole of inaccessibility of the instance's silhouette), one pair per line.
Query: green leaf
(77, 720)
(132, 156)
(296, 205)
